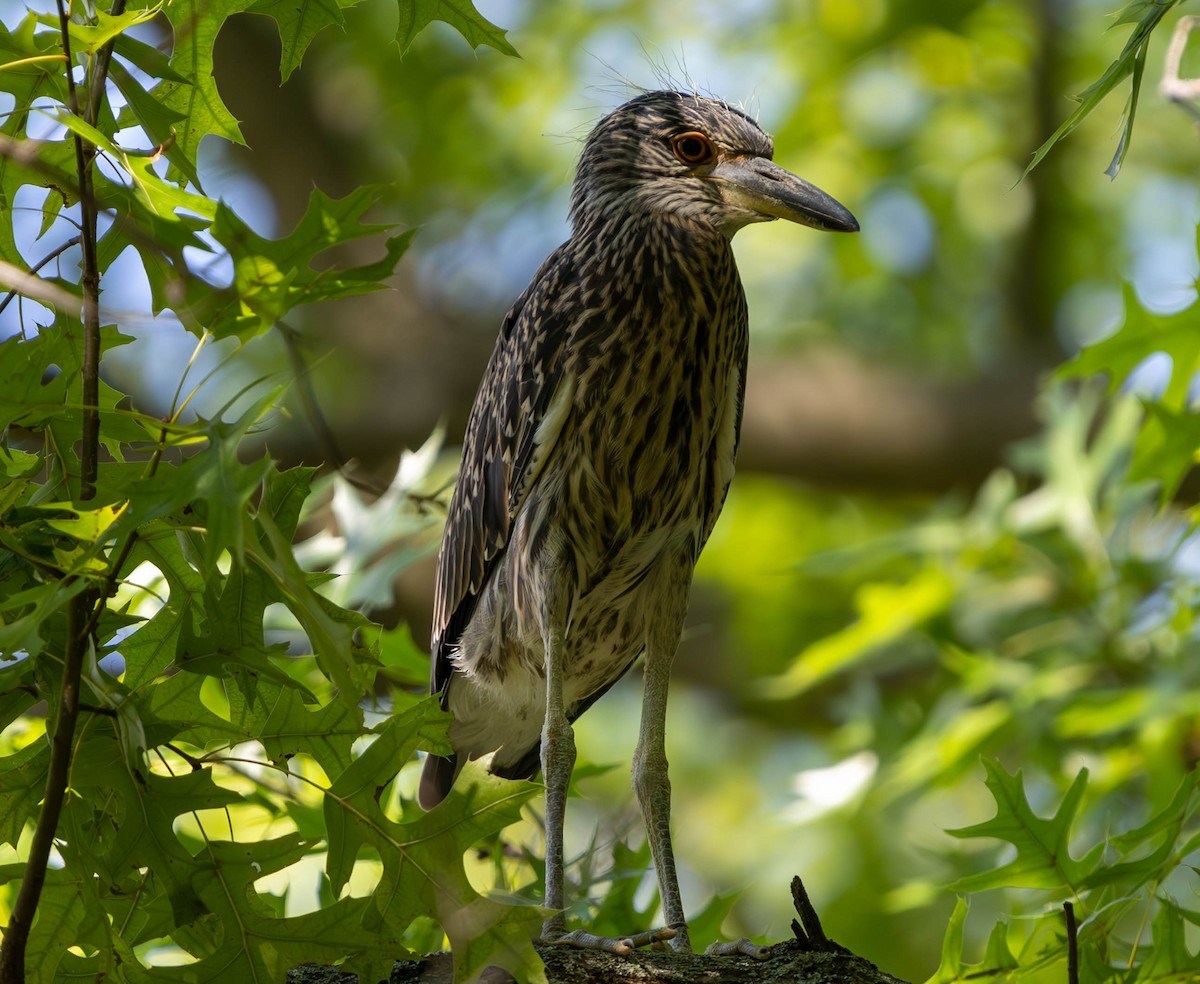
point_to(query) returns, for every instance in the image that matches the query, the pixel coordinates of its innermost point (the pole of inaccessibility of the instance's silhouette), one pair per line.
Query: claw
(742, 947)
(651, 936)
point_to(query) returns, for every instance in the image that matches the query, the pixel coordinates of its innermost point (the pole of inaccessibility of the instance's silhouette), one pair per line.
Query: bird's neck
(631, 239)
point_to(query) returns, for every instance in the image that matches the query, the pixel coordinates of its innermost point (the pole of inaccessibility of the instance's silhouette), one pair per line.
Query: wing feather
(523, 401)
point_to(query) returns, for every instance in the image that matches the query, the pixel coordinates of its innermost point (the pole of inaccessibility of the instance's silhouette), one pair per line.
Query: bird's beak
(763, 187)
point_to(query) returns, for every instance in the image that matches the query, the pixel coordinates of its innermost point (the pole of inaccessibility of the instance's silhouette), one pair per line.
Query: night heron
(598, 454)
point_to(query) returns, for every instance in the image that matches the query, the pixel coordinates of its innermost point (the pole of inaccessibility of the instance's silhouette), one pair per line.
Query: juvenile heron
(598, 454)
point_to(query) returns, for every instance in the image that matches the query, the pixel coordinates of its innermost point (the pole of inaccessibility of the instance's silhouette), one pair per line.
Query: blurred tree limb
(1173, 86)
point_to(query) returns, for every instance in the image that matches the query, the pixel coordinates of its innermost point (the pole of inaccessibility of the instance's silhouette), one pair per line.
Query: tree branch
(814, 959)
(79, 637)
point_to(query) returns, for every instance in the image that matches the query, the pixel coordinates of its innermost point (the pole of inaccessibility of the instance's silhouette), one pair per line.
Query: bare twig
(808, 928)
(28, 282)
(36, 289)
(100, 75)
(1072, 944)
(16, 934)
(308, 399)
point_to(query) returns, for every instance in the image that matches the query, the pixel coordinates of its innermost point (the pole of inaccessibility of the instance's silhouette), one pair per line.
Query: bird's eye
(693, 148)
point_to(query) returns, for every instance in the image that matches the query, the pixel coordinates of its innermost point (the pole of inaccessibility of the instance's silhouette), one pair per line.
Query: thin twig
(1072, 944)
(308, 399)
(79, 638)
(100, 75)
(53, 254)
(16, 934)
(36, 289)
(808, 929)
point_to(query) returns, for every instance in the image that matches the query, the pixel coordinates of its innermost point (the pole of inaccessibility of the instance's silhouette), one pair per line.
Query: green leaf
(101, 27)
(299, 22)
(1141, 335)
(1169, 827)
(1043, 859)
(223, 485)
(62, 918)
(272, 276)
(951, 968)
(1168, 447)
(350, 803)
(32, 69)
(423, 871)
(174, 709)
(258, 946)
(415, 15)
(161, 198)
(146, 57)
(151, 648)
(283, 497)
(197, 101)
(147, 111)
(1169, 959)
(17, 691)
(997, 961)
(1128, 63)
(22, 782)
(130, 822)
(326, 733)
(406, 663)
(23, 616)
(330, 629)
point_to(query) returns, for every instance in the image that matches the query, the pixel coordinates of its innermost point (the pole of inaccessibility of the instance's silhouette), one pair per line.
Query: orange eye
(693, 148)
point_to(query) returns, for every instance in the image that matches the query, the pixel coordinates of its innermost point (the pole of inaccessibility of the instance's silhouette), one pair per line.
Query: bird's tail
(437, 777)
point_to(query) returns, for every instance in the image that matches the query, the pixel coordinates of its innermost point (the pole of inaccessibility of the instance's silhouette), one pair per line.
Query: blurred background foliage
(934, 550)
(896, 587)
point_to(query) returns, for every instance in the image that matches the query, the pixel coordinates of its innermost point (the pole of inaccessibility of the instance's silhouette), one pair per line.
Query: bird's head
(674, 154)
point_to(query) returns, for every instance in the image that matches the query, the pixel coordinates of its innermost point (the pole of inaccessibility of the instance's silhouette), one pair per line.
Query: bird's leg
(653, 785)
(650, 780)
(558, 759)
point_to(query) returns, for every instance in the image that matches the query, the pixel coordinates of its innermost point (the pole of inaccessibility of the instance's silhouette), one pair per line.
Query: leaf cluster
(229, 727)
(1117, 890)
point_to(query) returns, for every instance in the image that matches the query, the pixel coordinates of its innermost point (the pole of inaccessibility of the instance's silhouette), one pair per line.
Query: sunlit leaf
(300, 22)
(1043, 859)
(197, 101)
(272, 276)
(415, 15)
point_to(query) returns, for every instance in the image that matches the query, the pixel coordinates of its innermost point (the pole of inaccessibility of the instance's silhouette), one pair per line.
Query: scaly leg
(558, 759)
(650, 779)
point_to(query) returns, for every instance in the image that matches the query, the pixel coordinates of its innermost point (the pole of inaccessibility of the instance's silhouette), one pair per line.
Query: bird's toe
(742, 947)
(581, 939)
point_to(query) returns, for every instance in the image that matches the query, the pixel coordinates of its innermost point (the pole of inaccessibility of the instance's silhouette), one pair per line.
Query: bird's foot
(581, 939)
(742, 947)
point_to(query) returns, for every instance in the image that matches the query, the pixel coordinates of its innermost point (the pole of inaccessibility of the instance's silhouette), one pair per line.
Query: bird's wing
(729, 427)
(523, 401)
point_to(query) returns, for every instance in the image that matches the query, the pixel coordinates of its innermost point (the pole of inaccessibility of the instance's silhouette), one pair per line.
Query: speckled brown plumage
(602, 440)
